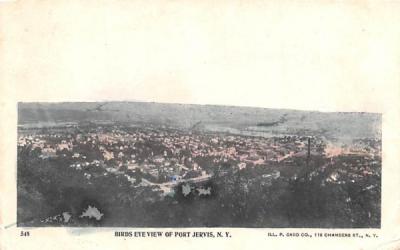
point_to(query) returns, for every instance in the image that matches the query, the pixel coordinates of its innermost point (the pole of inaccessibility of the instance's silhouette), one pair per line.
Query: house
(242, 165)
(48, 153)
(108, 155)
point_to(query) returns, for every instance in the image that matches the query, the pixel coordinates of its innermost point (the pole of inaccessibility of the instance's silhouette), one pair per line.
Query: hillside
(242, 120)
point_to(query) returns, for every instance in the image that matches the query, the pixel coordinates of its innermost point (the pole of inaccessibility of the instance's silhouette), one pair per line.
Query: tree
(138, 176)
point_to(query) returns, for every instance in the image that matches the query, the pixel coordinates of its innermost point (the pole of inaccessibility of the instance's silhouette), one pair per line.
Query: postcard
(199, 124)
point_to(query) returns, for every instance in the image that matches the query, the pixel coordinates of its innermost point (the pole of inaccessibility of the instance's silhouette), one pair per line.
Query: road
(167, 186)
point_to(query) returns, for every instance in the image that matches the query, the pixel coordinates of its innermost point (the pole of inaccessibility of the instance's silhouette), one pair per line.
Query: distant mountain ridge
(208, 117)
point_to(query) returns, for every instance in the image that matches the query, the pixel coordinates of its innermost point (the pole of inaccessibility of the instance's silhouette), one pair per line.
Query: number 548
(24, 233)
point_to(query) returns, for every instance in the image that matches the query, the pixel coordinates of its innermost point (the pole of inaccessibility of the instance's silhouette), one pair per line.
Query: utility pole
(308, 150)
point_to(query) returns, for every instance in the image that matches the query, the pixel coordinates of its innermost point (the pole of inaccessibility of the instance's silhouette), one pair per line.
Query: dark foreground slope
(238, 199)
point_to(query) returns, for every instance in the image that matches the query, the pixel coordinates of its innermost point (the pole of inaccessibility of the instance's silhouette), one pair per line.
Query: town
(164, 158)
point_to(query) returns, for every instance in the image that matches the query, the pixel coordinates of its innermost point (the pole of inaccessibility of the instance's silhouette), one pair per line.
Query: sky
(312, 56)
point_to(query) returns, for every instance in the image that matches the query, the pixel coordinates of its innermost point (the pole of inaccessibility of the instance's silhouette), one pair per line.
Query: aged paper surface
(303, 55)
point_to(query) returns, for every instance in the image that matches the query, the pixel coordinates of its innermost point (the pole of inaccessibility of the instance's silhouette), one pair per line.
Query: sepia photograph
(142, 164)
